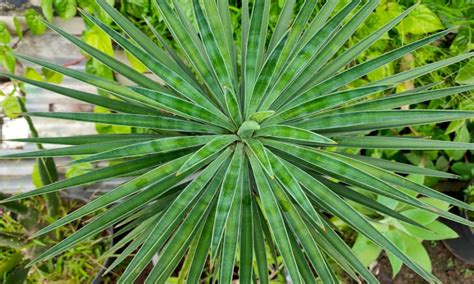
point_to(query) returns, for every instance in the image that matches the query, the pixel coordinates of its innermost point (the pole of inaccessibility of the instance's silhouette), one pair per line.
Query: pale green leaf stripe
(212, 147)
(400, 143)
(162, 145)
(108, 60)
(231, 238)
(85, 149)
(334, 45)
(283, 23)
(364, 121)
(185, 88)
(346, 57)
(171, 218)
(255, 49)
(401, 167)
(275, 220)
(99, 82)
(227, 194)
(93, 176)
(138, 36)
(246, 234)
(360, 70)
(265, 76)
(222, 70)
(292, 187)
(355, 196)
(259, 245)
(143, 121)
(152, 177)
(322, 103)
(287, 132)
(85, 139)
(200, 255)
(186, 109)
(344, 211)
(110, 217)
(410, 185)
(185, 34)
(302, 232)
(174, 250)
(120, 106)
(258, 150)
(304, 57)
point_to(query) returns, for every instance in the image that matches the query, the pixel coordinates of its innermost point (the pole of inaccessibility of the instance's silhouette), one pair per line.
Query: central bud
(247, 129)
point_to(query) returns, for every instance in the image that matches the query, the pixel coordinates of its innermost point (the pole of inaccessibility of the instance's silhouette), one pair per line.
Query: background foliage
(430, 16)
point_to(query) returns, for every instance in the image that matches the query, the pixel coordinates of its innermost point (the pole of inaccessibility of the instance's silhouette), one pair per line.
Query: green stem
(46, 167)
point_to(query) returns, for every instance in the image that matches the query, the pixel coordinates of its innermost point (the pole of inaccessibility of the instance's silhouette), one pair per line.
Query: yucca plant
(235, 162)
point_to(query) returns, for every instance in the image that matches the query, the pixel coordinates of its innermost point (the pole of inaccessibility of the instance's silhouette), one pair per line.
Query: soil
(446, 267)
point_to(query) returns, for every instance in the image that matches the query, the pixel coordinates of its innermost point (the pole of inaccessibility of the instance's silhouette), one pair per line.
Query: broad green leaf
(366, 250)
(434, 231)
(33, 20)
(11, 106)
(4, 33)
(421, 21)
(466, 74)
(395, 237)
(66, 9)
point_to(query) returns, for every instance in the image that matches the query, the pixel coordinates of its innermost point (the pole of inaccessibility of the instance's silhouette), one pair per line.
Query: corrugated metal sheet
(15, 175)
